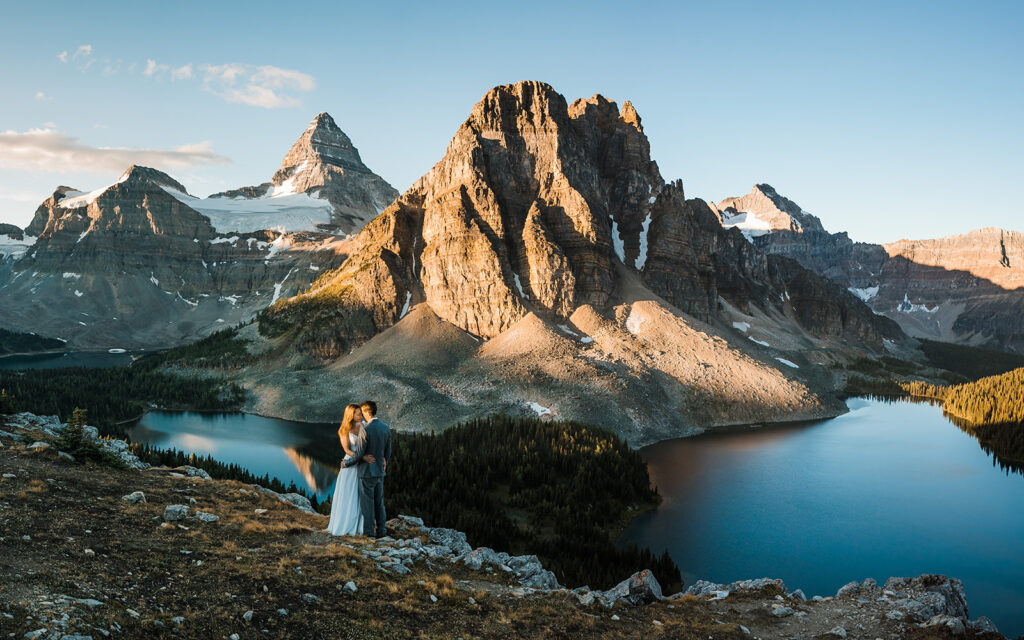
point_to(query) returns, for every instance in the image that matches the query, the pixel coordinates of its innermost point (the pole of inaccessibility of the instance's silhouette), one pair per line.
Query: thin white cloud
(265, 86)
(152, 68)
(182, 73)
(84, 51)
(42, 97)
(63, 56)
(49, 151)
(49, 125)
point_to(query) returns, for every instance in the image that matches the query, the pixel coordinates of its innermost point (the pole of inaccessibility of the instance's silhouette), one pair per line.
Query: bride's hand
(369, 458)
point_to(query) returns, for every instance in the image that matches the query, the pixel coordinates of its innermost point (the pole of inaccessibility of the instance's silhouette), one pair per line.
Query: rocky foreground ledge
(88, 551)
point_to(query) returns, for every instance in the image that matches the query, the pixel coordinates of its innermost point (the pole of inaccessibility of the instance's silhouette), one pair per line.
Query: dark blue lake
(889, 489)
(91, 359)
(305, 453)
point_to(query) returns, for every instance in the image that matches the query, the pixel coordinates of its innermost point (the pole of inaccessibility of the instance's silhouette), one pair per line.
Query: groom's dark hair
(370, 407)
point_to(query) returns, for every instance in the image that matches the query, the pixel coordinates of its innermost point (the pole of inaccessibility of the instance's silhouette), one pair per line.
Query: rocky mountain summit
(323, 164)
(144, 551)
(546, 233)
(142, 263)
(966, 288)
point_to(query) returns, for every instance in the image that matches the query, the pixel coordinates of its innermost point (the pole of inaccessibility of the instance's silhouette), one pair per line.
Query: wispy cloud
(264, 86)
(152, 68)
(49, 151)
(42, 97)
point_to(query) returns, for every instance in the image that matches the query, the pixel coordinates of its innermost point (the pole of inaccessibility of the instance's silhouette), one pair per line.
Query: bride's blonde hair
(347, 421)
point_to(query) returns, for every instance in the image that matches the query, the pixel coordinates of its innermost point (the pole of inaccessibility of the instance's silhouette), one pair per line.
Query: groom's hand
(369, 459)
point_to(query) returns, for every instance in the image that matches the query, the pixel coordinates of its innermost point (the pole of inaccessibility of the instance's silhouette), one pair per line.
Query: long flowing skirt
(346, 518)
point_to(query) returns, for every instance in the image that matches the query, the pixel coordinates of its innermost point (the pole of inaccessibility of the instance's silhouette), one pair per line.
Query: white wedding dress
(346, 519)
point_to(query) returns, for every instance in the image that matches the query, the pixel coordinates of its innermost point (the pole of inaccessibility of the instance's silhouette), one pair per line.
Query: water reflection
(892, 488)
(307, 454)
(89, 359)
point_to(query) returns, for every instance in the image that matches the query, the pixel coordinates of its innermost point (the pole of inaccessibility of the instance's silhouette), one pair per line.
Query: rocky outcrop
(967, 288)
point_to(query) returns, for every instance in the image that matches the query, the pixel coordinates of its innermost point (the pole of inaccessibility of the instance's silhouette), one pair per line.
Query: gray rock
(953, 624)
(848, 589)
(175, 512)
(543, 580)
(310, 598)
(704, 588)
(247, 616)
(951, 591)
(839, 632)
(91, 432)
(782, 612)
(798, 595)
(350, 587)
(65, 456)
(454, 540)
(982, 625)
(194, 472)
(895, 614)
(282, 612)
(9, 476)
(38, 446)
(178, 619)
(207, 517)
(134, 497)
(757, 585)
(411, 521)
(640, 588)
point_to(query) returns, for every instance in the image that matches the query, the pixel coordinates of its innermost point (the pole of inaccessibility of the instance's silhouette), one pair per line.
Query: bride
(346, 516)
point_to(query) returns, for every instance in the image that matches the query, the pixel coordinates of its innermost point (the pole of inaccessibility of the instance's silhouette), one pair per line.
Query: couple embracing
(358, 505)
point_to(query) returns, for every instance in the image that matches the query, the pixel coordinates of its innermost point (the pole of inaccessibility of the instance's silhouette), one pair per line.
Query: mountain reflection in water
(307, 454)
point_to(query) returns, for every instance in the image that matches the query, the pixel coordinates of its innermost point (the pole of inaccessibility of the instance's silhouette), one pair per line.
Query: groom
(371, 474)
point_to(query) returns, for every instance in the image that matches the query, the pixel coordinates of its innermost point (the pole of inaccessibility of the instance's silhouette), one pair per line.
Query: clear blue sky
(886, 119)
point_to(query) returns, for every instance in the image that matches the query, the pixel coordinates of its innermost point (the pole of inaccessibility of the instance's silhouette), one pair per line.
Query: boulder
(207, 517)
(951, 599)
(135, 497)
(953, 624)
(175, 512)
(194, 472)
(704, 588)
(982, 625)
(543, 580)
(640, 588)
(454, 540)
(782, 612)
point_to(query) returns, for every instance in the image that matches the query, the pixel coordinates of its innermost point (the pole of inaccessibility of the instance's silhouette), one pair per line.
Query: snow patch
(742, 326)
(278, 285)
(226, 240)
(79, 293)
(281, 209)
(760, 342)
(634, 322)
(566, 329)
(865, 294)
(788, 363)
(586, 339)
(153, 279)
(232, 299)
(82, 236)
(519, 286)
(15, 248)
(641, 259)
(116, 350)
(280, 243)
(186, 300)
(405, 307)
(907, 307)
(75, 199)
(749, 224)
(617, 244)
(539, 409)
(68, 275)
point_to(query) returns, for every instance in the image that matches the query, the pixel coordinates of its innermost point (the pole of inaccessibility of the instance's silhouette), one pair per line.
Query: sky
(886, 119)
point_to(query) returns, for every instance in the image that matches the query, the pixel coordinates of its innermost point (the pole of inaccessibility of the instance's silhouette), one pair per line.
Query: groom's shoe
(380, 535)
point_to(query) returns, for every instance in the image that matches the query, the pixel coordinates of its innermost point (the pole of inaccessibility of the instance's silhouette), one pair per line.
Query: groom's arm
(357, 456)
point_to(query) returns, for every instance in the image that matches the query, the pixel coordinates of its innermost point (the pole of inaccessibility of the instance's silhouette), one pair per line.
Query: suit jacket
(378, 444)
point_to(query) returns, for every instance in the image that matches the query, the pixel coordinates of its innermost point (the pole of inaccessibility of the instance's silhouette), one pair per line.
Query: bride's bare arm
(344, 444)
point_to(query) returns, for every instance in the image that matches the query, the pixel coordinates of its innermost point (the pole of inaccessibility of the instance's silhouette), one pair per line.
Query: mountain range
(967, 289)
(141, 263)
(543, 266)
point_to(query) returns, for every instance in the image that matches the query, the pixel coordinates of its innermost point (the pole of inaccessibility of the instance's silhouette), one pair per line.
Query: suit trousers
(371, 503)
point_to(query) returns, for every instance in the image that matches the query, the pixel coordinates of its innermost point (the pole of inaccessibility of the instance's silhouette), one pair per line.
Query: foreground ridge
(169, 551)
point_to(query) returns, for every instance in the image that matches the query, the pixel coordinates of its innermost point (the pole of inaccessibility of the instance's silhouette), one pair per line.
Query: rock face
(967, 288)
(547, 232)
(131, 265)
(322, 166)
(537, 206)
